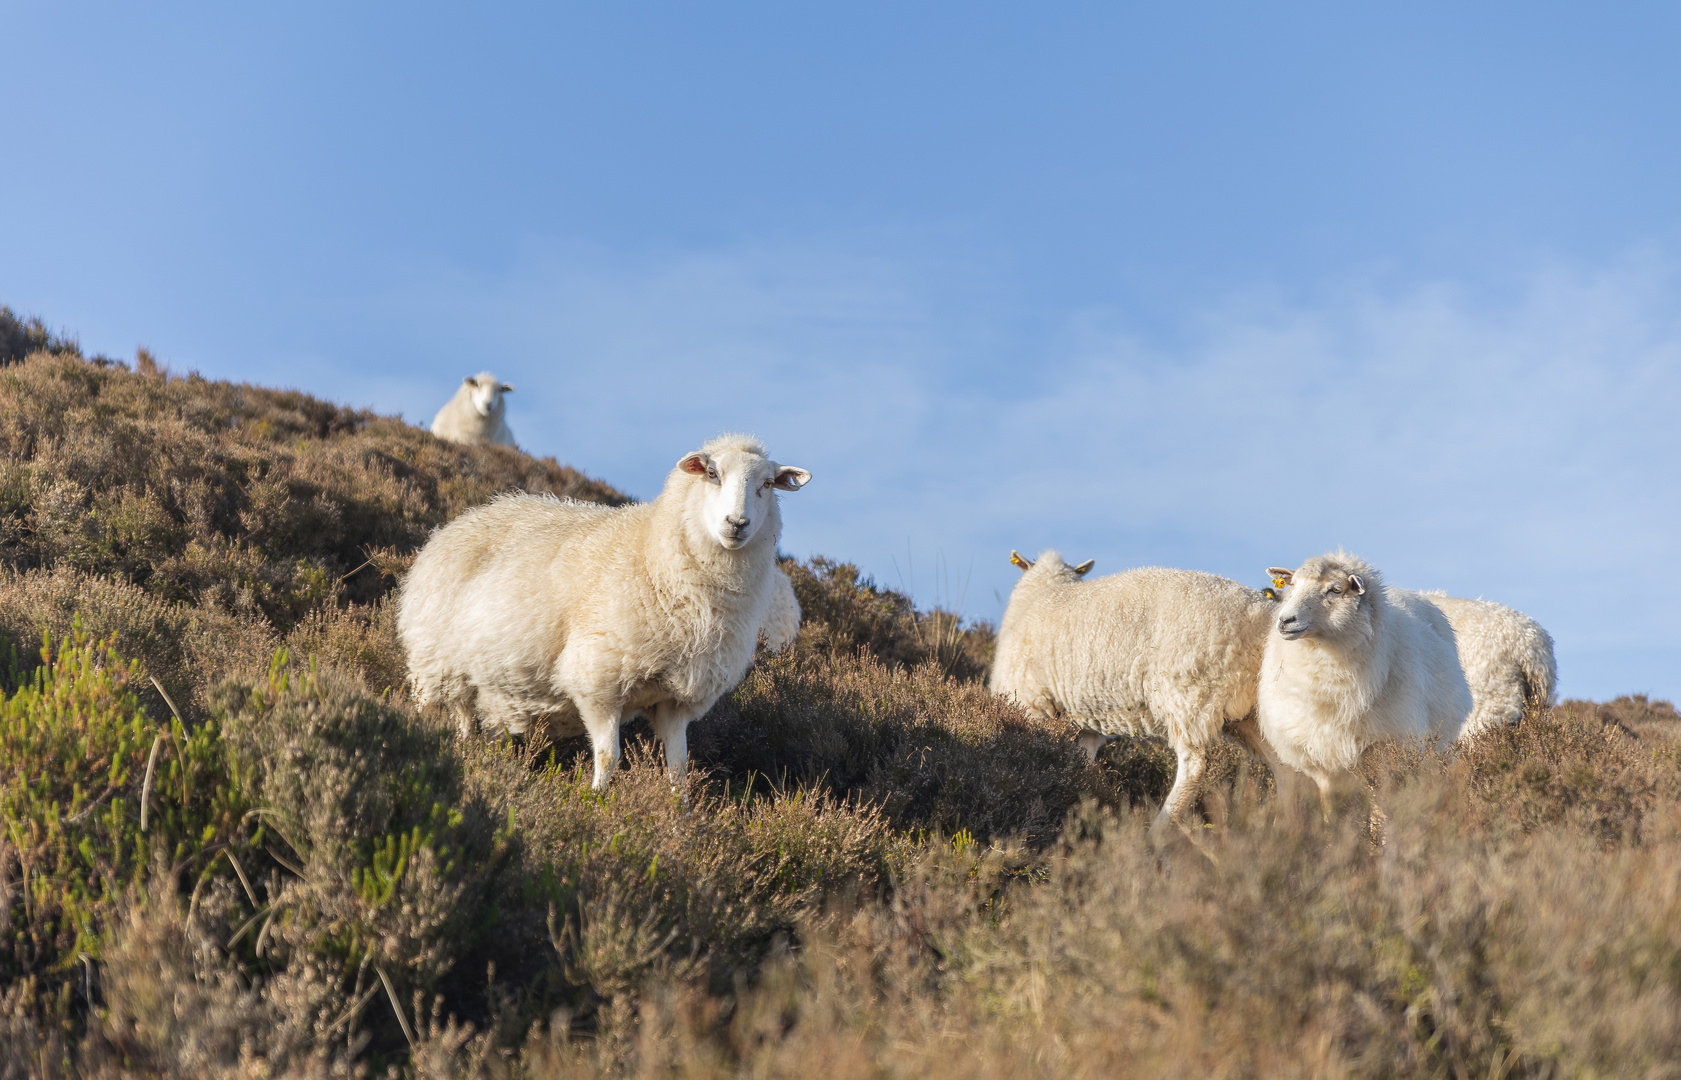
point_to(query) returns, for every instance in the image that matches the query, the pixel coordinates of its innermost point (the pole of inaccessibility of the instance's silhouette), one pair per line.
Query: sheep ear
(1024, 565)
(1080, 571)
(471, 380)
(1355, 585)
(788, 478)
(1280, 576)
(507, 388)
(694, 464)
(1271, 593)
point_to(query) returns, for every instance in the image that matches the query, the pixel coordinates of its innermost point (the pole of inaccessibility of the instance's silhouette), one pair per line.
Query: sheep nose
(1286, 622)
(737, 522)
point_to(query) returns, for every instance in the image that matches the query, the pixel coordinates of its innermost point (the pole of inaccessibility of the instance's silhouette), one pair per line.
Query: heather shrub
(1283, 946)
(187, 649)
(21, 337)
(384, 863)
(619, 889)
(844, 612)
(94, 794)
(225, 496)
(931, 751)
(386, 871)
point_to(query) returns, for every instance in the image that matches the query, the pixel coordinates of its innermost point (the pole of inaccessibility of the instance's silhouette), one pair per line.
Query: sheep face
(1326, 598)
(486, 392)
(734, 493)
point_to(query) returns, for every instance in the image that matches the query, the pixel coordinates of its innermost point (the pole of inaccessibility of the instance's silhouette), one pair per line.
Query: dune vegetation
(232, 847)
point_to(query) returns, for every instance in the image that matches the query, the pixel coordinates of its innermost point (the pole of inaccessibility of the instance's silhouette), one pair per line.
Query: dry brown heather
(884, 871)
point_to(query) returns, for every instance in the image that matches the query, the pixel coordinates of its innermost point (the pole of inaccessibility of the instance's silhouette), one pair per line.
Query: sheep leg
(670, 721)
(602, 723)
(1247, 732)
(1092, 741)
(1187, 781)
(1327, 792)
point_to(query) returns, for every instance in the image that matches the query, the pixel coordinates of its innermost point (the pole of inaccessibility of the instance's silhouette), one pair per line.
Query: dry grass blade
(245, 926)
(146, 786)
(356, 1007)
(396, 1007)
(167, 700)
(250, 893)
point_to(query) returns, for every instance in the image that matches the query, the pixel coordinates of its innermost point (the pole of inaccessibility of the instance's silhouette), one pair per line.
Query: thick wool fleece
(476, 414)
(533, 608)
(1507, 658)
(1150, 651)
(1373, 663)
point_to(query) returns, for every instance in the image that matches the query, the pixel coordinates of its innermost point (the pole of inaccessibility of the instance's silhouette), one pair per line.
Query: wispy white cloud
(1519, 447)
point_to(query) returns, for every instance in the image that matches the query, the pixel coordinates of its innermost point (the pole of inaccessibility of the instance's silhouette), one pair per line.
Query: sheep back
(1507, 658)
(519, 605)
(1148, 651)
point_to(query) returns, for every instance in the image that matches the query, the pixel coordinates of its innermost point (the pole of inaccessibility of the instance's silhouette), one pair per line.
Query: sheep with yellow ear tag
(1172, 653)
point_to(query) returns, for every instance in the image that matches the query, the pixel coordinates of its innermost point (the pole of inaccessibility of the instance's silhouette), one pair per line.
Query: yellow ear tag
(1017, 560)
(1280, 582)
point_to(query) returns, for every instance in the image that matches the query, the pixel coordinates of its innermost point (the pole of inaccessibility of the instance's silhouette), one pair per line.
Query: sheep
(782, 620)
(536, 608)
(475, 414)
(1507, 658)
(1149, 651)
(1350, 662)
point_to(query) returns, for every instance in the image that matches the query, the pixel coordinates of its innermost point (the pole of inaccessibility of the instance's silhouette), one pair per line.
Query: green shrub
(82, 769)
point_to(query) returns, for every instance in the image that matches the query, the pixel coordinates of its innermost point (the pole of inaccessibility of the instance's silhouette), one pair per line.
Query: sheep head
(486, 392)
(1326, 598)
(1051, 564)
(732, 489)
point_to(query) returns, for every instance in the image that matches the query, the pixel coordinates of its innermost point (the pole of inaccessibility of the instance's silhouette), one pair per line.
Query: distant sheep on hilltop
(535, 608)
(475, 414)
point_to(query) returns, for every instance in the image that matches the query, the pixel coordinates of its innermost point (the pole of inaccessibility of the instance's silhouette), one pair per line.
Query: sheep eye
(1334, 590)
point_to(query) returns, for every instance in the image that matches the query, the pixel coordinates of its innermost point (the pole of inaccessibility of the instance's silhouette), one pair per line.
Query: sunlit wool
(476, 414)
(1350, 662)
(1507, 658)
(539, 608)
(1149, 651)
(782, 618)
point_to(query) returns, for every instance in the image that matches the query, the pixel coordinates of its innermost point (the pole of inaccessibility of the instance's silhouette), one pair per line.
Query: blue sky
(1207, 285)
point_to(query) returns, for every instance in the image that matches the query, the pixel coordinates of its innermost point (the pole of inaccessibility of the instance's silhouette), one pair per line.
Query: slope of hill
(885, 871)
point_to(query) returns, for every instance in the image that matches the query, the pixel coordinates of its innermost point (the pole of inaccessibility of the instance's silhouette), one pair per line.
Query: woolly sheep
(1350, 662)
(782, 620)
(532, 607)
(475, 414)
(1506, 656)
(1150, 651)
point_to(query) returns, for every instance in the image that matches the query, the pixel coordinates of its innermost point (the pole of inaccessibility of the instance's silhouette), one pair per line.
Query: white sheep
(1507, 658)
(1150, 651)
(782, 620)
(475, 414)
(583, 615)
(1350, 662)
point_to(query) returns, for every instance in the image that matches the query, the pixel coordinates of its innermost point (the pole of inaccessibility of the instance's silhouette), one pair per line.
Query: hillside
(885, 870)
